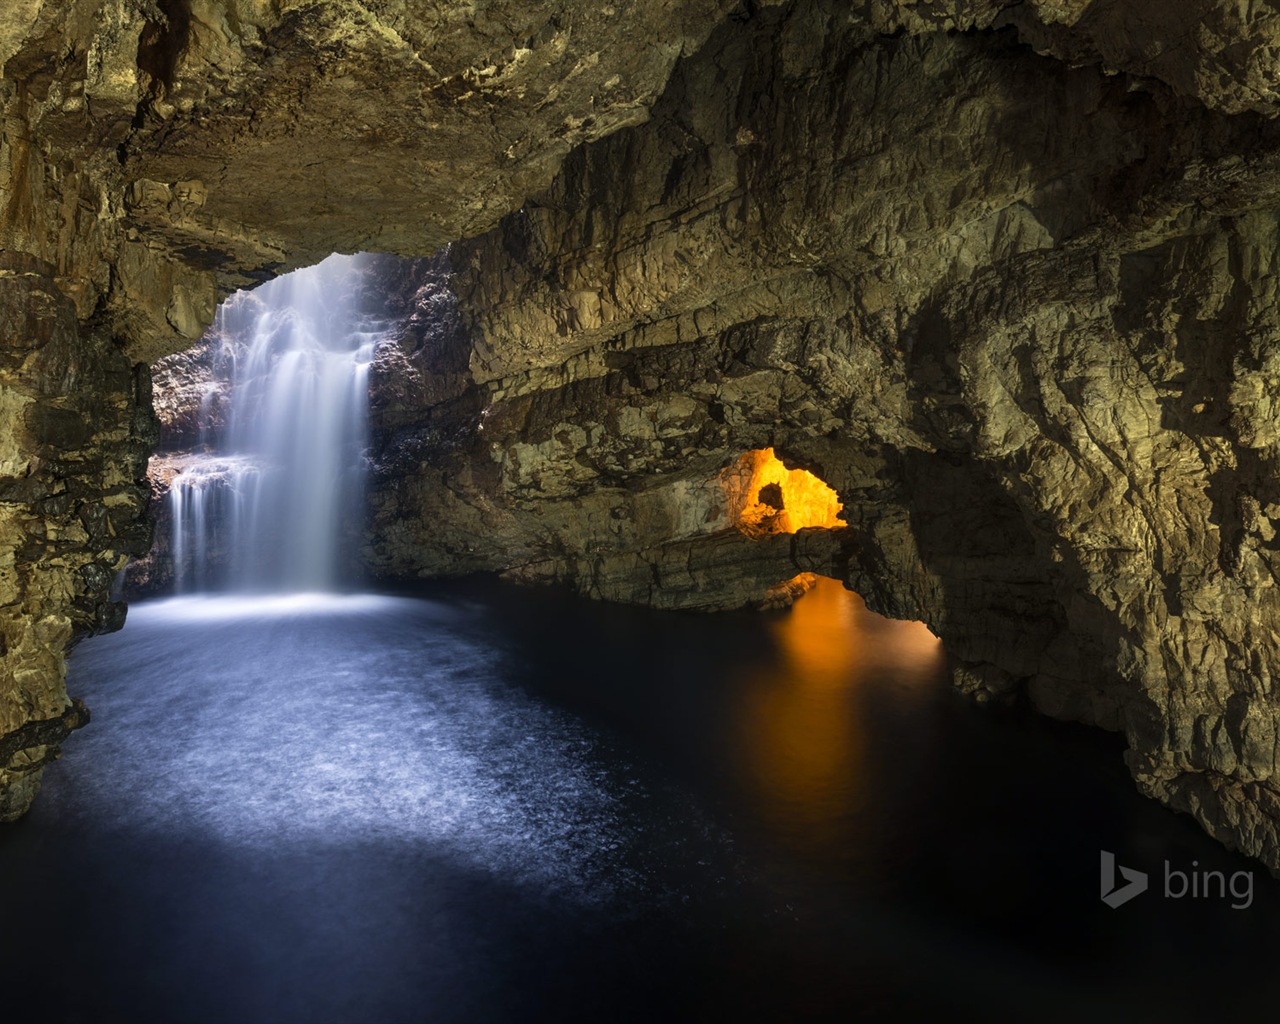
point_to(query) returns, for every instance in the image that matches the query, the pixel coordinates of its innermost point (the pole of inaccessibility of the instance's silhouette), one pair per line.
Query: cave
(785, 493)
(768, 497)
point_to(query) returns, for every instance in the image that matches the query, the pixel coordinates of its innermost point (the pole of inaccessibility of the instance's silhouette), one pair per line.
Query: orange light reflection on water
(803, 727)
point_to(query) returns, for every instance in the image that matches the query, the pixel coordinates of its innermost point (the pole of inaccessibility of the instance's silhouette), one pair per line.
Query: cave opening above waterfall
(266, 491)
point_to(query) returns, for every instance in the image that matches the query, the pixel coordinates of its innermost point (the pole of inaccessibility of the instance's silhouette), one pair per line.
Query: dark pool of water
(481, 803)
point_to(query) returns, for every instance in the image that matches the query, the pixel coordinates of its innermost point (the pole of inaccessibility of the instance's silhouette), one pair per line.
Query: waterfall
(267, 503)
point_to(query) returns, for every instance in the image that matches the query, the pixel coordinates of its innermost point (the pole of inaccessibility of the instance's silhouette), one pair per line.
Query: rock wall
(1018, 314)
(1000, 272)
(76, 427)
(157, 154)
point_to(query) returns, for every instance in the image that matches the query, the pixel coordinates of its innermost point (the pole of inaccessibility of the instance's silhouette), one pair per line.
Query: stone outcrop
(1001, 273)
(77, 426)
(1017, 314)
(157, 154)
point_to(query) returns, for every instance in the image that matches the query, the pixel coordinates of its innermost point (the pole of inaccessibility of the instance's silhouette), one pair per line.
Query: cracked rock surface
(1003, 274)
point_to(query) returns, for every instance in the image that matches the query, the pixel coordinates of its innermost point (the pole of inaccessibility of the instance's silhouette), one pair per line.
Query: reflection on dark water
(803, 713)
(486, 804)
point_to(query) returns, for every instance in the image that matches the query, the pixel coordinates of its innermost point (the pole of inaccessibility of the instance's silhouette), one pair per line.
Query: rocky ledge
(1000, 273)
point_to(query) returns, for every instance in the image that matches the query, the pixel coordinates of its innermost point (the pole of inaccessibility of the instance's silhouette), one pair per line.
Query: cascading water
(265, 506)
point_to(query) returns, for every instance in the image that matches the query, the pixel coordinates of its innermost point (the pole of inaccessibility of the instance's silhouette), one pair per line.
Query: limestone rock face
(76, 428)
(1001, 273)
(1017, 314)
(164, 152)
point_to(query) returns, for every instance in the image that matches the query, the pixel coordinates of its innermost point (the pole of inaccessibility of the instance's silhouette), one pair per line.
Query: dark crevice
(163, 41)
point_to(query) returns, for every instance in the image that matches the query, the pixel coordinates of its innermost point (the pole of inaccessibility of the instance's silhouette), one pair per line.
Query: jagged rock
(1019, 310)
(1017, 314)
(190, 395)
(76, 425)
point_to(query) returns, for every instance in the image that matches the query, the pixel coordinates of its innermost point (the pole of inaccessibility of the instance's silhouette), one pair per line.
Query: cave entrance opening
(766, 497)
(263, 490)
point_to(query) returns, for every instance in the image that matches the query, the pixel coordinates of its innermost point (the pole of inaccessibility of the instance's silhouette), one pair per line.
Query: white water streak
(273, 501)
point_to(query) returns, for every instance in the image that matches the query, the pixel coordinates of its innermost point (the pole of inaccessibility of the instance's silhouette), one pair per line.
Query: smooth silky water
(261, 506)
(486, 804)
(475, 802)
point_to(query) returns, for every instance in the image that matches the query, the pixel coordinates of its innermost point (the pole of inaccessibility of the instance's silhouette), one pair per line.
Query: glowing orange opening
(769, 498)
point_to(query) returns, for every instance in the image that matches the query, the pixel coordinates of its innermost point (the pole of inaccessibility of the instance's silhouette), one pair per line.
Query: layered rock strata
(1018, 315)
(1000, 273)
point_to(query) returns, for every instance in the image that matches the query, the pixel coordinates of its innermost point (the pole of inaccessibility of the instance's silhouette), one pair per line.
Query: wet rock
(1015, 313)
(1000, 273)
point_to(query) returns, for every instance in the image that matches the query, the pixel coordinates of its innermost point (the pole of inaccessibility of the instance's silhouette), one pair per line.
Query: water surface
(479, 803)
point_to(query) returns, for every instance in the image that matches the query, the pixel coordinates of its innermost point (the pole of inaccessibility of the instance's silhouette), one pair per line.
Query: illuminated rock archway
(766, 497)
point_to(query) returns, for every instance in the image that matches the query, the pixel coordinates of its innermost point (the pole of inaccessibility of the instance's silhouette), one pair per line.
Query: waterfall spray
(265, 508)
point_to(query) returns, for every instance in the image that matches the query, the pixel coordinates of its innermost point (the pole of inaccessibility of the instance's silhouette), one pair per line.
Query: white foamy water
(287, 475)
(272, 721)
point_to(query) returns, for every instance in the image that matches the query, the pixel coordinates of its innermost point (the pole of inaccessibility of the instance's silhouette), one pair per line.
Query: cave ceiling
(1002, 273)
